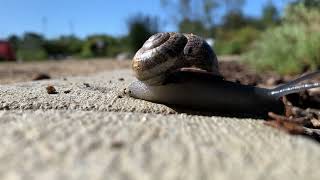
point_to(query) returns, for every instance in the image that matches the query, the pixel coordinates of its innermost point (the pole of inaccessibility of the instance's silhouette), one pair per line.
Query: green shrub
(30, 47)
(110, 48)
(63, 46)
(235, 42)
(32, 54)
(86, 51)
(291, 47)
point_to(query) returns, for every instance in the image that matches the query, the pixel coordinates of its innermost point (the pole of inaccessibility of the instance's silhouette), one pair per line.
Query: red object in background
(6, 51)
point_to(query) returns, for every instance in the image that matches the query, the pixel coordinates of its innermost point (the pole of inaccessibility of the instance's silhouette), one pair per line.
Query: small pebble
(121, 79)
(86, 84)
(51, 90)
(67, 91)
(117, 144)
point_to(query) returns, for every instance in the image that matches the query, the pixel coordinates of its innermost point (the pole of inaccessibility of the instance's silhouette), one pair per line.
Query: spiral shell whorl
(164, 53)
(199, 54)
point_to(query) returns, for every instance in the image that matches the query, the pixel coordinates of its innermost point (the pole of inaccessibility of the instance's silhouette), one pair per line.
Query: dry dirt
(20, 72)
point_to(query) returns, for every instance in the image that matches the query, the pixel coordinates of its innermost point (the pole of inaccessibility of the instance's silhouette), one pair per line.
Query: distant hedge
(292, 47)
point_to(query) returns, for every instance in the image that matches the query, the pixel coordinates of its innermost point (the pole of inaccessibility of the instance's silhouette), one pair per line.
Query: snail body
(182, 70)
(211, 95)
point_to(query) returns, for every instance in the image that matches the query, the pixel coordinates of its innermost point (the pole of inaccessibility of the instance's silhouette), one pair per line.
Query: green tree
(100, 45)
(72, 43)
(63, 46)
(197, 16)
(234, 20)
(140, 29)
(14, 41)
(310, 4)
(196, 26)
(270, 14)
(233, 5)
(32, 47)
(201, 10)
(32, 40)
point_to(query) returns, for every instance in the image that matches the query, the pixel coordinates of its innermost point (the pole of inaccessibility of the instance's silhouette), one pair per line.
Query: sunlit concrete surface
(97, 132)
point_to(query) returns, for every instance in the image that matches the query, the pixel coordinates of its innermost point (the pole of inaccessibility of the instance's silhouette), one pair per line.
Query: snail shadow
(238, 115)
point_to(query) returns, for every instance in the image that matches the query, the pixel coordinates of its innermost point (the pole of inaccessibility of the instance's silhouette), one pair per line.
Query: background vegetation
(292, 47)
(287, 42)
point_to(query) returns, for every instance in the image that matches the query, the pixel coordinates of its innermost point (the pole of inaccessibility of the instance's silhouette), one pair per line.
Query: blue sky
(84, 17)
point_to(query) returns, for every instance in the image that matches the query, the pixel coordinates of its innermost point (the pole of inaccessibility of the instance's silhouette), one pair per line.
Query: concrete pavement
(97, 132)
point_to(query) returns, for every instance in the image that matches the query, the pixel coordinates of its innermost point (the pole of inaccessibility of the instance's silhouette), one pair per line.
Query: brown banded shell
(164, 53)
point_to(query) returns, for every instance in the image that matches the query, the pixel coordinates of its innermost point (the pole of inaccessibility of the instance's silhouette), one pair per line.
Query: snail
(182, 70)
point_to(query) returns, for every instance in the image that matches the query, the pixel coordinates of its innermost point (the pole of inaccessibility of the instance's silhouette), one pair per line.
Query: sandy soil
(19, 72)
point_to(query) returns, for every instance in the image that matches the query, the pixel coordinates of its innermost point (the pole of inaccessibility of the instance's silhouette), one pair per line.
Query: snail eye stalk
(295, 86)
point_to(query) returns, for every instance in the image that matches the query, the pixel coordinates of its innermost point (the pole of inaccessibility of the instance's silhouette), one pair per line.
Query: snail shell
(164, 53)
